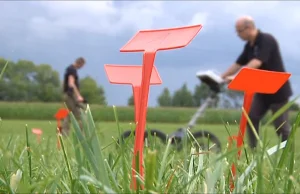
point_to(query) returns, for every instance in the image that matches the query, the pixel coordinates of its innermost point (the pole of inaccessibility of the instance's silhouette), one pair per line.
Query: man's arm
(233, 69)
(254, 63)
(71, 82)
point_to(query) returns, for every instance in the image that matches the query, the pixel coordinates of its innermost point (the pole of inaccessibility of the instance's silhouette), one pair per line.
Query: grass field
(80, 167)
(107, 130)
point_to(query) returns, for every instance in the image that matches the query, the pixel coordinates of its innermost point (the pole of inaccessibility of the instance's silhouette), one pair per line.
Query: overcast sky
(57, 32)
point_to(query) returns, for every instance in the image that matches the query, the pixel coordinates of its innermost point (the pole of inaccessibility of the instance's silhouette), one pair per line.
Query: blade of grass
(280, 111)
(97, 147)
(65, 157)
(2, 72)
(260, 179)
(163, 165)
(291, 170)
(88, 153)
(137, 170)
(28, 153)
(150, 170)
(216, 174)
(77, 151)
(289, 144)
(262, 144)
(252, 127)
(97, 183)
(191, 165)
(5, 181)
(9, 141)
(185, 151)
(114, 181)
(191, 169)
(122, 153)
(252, 165)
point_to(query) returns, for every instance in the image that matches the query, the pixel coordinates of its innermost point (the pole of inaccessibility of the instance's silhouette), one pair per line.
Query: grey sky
(56, 32)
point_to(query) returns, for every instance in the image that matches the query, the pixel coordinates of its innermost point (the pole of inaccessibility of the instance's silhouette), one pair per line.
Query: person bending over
(71, 92)
(261, 51)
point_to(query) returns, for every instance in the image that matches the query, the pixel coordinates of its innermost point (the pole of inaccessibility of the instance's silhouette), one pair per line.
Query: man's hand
(80, 98)
(233, 69)
(228, 79)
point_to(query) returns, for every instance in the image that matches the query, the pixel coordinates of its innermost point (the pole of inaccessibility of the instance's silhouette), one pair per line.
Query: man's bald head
(245, 28)
(245, 21)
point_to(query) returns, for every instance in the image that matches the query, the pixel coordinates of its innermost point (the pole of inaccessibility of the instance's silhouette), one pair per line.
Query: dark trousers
(71, 103)
(259, 108)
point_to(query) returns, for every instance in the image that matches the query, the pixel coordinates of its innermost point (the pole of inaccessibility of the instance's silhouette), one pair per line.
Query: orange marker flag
(60, 114)
(252, 81)
(149, 42)
(38, 133)
(132, 75)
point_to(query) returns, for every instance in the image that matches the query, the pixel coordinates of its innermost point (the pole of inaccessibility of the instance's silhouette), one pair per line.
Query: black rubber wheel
(210, 138)
(153, 132)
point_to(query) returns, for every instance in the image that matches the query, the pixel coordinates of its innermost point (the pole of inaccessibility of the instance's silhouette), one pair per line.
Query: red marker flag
(252, 81)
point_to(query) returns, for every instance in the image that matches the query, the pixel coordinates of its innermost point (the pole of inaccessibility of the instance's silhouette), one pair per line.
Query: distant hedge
(46, 111)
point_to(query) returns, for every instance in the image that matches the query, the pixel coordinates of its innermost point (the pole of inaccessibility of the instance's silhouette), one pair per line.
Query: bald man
(261, 51)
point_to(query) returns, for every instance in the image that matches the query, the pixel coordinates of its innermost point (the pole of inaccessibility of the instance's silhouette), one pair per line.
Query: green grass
(107, 130)
(93, 164)
(45, 111)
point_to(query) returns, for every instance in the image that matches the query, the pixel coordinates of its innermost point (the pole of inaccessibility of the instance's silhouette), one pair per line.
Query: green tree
(47, 83)
(294, 107)
(91, 91)
(201, 92)
(232, 99)
(165, 99)
(5, 81)
(183, 97)
(25, 81)
(130, 101)
(18, 82)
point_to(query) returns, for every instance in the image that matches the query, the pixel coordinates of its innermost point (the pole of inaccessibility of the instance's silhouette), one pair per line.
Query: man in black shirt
(71, 92)
(261, 51)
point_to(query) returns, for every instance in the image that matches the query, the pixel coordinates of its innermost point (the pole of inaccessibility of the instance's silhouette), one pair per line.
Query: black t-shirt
(70, 70)
(266, 49)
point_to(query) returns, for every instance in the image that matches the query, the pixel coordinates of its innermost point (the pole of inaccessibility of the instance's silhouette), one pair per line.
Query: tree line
(25, 81)
(183, 97)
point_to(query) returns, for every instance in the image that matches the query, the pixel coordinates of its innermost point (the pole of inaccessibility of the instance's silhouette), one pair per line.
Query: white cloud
(140, 15)
(111, 17)
(201, 18)
(64, 8)
(54, 20)
(102, 17)
(43, 29)
(250, 7)
(116, 17)
(88, 16)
